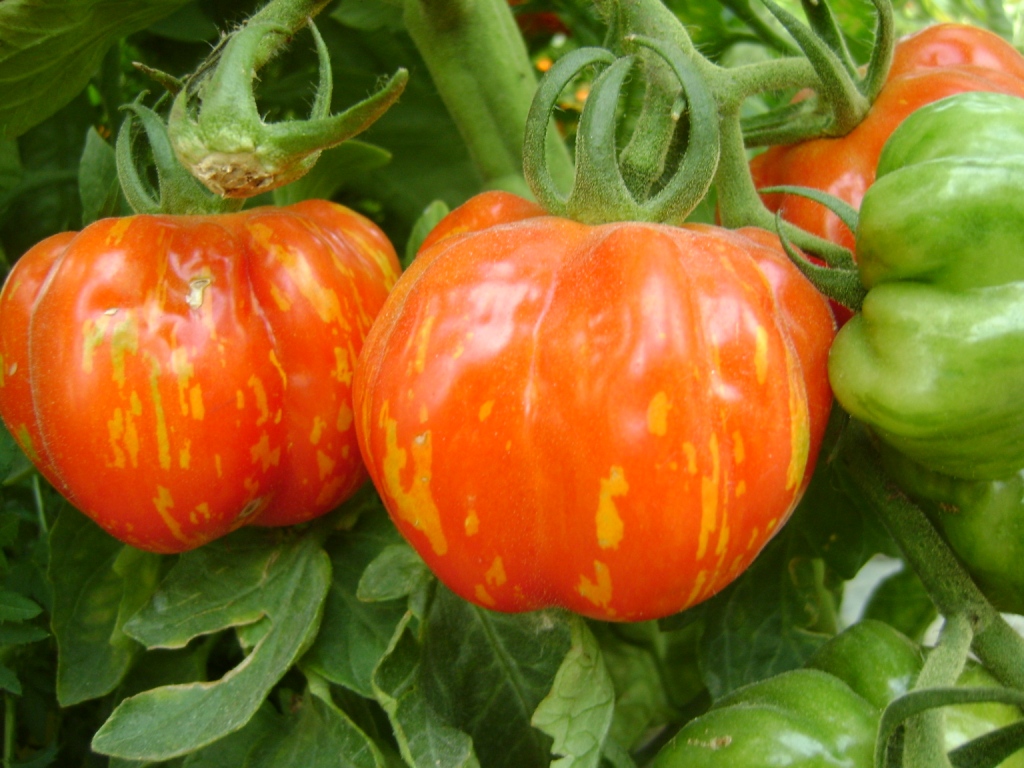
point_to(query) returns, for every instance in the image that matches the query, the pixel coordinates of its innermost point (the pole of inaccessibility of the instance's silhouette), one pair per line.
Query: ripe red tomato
(614, 419)
(176, 377)
(937, 62)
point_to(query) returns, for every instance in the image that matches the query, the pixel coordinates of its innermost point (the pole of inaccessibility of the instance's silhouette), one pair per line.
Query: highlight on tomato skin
(178, 377)
(610, 419)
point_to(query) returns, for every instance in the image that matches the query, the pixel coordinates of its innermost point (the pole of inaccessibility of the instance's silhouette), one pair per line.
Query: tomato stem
(996, 643)
(479, 63)
(924, 742)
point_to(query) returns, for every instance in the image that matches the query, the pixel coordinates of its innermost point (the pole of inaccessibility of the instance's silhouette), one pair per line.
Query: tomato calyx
(844, 93)
(600, 191)
(177, 191)
(218, 133)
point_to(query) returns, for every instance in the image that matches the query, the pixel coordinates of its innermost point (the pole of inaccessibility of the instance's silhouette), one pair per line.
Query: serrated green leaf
(50, 48)
(424, 738)
(15, 607)
(577, 712)
(355, 634)
(396, 572)
(98, 184)
(486, 672)
(89, 605)
(286, 583)
(336, 168)
(427, 220)
(651, 671)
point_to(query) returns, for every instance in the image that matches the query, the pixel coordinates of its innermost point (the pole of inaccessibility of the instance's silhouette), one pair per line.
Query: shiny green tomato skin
(938, 374)
(826, 714)
(875, 659)
(803, 719)
(880, 663)
(934, 362)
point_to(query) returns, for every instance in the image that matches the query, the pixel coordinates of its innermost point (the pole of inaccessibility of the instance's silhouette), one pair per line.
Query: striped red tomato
(613, 419)
(176, 377)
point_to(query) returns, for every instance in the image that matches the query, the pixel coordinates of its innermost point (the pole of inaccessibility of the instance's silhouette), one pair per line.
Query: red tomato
(613, 419)
(177, 377)
(937, 62)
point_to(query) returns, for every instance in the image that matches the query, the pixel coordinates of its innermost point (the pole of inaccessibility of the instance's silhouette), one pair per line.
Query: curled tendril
(599, 192)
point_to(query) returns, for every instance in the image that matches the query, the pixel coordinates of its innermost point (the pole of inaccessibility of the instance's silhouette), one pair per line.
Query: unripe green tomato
(934, 361)
(804, 718)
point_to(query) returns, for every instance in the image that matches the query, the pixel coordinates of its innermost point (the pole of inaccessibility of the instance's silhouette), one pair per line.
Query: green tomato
(876, 660)
(934, 362)
(880, 663)
(803, 719)
(827, 713)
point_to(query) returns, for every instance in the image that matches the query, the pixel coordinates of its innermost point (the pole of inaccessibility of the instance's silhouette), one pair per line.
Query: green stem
(290, 14)
(479, 64)
(924, 744)
(950, 587)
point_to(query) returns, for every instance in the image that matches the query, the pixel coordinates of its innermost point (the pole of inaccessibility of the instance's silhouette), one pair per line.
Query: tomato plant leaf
(221, 587)
(9, 680)
(98, 184)
(317, 734)
(92, 599)
(766, 621)
(396, 572)
(640, 659)
(487, 672)
(424, 738)
(577, 712)
(16, 607)
(354, 634)
(50, 48)
(20, 634)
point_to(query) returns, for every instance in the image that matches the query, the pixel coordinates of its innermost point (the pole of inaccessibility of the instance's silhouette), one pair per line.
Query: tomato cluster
(612, 419)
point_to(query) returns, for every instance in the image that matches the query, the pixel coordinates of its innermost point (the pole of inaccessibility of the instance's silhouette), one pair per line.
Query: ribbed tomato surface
(614, 419)
(176, 377)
